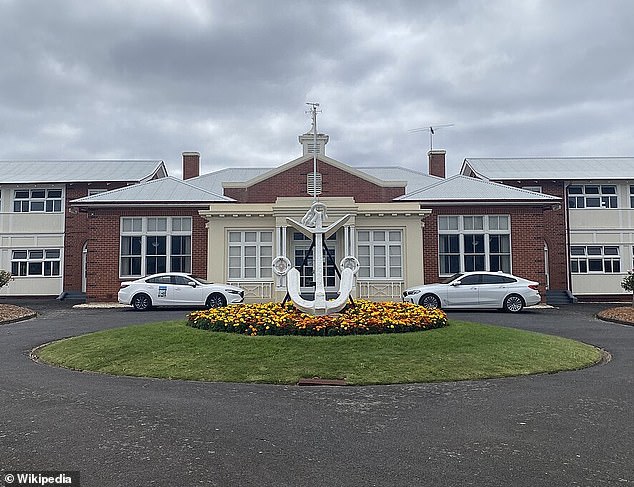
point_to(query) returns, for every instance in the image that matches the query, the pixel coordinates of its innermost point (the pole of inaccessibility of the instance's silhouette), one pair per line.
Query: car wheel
(513, 303)
(141, 302)
(430, 301)
(216, 300)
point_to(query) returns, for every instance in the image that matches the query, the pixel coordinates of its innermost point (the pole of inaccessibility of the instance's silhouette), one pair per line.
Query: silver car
(177, 289)
(477, 290)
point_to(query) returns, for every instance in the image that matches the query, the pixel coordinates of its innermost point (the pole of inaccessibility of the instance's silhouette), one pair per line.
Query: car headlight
(410, 292)
(232, 291)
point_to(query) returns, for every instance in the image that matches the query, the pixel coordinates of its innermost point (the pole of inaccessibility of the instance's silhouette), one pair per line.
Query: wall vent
(313, 184)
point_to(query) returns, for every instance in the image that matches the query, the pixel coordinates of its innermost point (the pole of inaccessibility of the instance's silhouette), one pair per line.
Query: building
(589, 241)
(43, 240)
(406, 227)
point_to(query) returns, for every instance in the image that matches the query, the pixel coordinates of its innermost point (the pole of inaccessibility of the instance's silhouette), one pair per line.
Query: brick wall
(554, 232)
(527, 239)
(103, 281)
(292, 182)
(76, 232)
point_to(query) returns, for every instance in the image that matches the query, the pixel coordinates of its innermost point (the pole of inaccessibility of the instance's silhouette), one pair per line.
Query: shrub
(628, 284)
(5, 277)
(366, 317)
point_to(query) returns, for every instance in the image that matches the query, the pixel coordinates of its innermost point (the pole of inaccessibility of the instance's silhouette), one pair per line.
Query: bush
(628, 283)
(5, 277)
(366, 317)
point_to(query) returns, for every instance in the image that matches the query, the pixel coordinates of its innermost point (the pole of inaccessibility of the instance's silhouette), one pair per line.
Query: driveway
(565, 429)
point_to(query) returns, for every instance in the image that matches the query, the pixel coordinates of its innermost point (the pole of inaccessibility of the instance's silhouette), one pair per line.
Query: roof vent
(308, 143)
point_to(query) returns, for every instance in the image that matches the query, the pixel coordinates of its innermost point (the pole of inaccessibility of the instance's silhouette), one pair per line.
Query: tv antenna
(432, 130)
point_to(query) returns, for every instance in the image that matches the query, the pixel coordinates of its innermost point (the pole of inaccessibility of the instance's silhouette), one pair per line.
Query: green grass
(459, 351)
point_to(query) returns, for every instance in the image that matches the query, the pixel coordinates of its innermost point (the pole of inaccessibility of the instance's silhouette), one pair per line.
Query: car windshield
(452, 278)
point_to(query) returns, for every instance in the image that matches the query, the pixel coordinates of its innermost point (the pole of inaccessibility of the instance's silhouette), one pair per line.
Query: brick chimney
(437, 163)
(191, 165)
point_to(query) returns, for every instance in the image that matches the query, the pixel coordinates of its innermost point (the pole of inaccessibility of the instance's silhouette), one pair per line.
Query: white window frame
(463, 226)
(148, 227)
(250, 254)
(582, 257)
(50, 203)
(381, 255)
(600, 196)
(24, 260)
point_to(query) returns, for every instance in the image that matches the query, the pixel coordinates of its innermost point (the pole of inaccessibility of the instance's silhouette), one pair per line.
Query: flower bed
(366, 317)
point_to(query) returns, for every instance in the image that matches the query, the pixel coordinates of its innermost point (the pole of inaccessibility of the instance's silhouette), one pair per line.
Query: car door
(160, 290)
(493, 290)
(187, 292)
(463, 293)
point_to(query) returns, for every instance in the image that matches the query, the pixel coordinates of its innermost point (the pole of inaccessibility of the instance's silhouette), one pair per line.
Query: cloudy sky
(149, 79)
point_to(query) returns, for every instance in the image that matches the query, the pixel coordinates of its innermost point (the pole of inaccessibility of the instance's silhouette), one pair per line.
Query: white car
(477, 290)
(177, 289)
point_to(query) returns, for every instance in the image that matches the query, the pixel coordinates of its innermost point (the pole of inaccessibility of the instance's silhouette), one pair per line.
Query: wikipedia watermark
(40, 478)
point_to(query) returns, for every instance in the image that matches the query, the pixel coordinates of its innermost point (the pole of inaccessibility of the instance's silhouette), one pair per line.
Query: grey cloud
(230, 79)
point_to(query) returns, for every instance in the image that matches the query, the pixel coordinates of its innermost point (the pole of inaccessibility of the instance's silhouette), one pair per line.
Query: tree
(628, 284)
(5, 277)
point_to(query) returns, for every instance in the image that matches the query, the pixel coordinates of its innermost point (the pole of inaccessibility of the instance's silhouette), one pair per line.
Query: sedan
(177, 289)
(477, 290)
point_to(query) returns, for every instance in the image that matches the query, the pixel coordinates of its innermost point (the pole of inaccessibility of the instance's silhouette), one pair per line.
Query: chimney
(437, 163)
(191, 165)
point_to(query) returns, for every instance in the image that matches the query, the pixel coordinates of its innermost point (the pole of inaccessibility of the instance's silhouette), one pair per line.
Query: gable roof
(551, 168)
(465, 190)
(322, 158)
(21, 172)
(214, 181)
(163, 191)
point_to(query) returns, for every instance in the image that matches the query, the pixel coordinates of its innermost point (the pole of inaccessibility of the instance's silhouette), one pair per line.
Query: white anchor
(312, 225)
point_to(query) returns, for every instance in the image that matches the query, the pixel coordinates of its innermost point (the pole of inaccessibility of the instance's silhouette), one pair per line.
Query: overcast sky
(230, 79)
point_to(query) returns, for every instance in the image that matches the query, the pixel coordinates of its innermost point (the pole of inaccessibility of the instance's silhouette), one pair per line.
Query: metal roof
(14, 172)
(166, 190)
(466, 189)
(551, 168)
(213, 181)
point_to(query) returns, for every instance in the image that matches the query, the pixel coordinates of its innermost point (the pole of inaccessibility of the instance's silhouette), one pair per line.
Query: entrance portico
(243, 238)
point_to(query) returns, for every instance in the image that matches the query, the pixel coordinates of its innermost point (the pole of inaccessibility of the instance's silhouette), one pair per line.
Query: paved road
(566, 429)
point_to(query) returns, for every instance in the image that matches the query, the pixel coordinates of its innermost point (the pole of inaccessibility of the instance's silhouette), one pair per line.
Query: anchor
(312, 226)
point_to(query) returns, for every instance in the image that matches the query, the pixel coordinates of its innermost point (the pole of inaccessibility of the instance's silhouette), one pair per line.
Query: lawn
(460, 351)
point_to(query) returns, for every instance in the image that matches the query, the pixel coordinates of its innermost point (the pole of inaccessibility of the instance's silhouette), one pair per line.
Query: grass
(460, 351)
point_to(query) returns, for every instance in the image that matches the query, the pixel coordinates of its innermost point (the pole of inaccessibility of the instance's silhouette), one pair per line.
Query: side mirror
(191, 283)
(456, 283)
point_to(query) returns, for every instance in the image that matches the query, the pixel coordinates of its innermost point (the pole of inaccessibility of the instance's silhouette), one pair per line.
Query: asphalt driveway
(565, 429)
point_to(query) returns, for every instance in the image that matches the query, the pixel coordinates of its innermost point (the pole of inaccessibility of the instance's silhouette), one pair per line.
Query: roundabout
(549, 429)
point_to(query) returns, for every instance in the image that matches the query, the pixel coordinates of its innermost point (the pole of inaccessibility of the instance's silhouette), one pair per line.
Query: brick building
(589, 239)
(406, 227)
(43, 239)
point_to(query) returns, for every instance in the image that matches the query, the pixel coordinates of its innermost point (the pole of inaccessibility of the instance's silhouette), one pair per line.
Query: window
(380, 254)
(250, 254)
(631, 196)
(603, 259)
(592, 196)
(37, 200)
(94, 191)
(301, 256)
(474, 243)
(151, 245)
(534, 189)
(36, 262)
